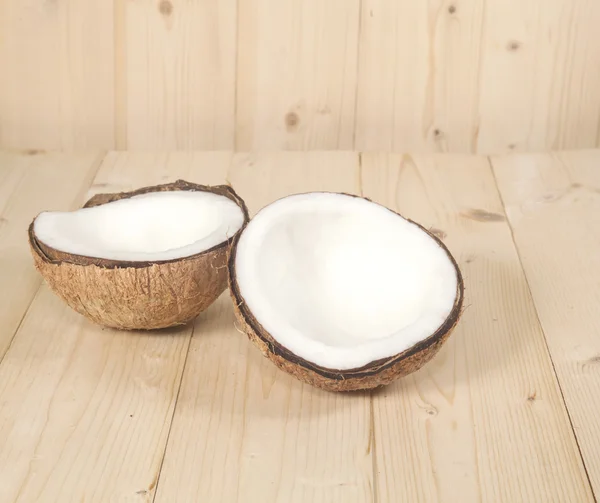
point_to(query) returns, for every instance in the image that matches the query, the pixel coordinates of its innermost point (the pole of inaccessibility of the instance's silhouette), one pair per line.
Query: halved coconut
(151, 258)
(341, 292)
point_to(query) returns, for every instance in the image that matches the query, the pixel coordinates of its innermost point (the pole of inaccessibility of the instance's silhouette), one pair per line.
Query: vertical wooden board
(539, 87)
(179, 74)
(29, 184)
(483, 421)
(553, 205)
(245, 431)
(85, 411)
(56, 89)
(296, 77)
(419, 75)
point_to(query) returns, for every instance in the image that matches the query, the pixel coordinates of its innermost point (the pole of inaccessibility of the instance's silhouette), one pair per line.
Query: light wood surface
(486, 76)
(505, 413)
(29, 183)
(297, 71)
(420, 66)
(57, 75)
(485, 410)
(176, 74)
(555, 200)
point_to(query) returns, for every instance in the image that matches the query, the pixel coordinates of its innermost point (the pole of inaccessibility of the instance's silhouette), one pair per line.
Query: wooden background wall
(421, 75)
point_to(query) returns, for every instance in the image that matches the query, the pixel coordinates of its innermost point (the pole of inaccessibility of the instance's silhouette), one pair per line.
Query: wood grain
(485, 420)
(56, 62)
(443, 75)
(179, 74)
(536, 71)
(419, 76)
(30, 183)
(85, 411)
(97, 405)
(296, 77)
(243, 430)
(553, 205)
(197, 414)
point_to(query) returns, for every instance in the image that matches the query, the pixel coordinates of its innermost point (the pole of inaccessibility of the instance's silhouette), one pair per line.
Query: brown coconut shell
(374, 374)
(138, 295)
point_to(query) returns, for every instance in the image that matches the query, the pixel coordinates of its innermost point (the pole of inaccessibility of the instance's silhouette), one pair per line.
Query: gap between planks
(373, 445)
(137, 170)
(564, 382)
(187, 353)
(78, 200)
(559, 385)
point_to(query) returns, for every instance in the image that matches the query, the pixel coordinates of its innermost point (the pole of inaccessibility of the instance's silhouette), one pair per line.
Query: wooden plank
(342, 74)
(244, 430)
(84, 411)
(536, 72)
(553, 205)
(418, 81)
(296, 74)
(472, 77)
(31, 183)
(484, 421)
(180, 74)
(56, 90)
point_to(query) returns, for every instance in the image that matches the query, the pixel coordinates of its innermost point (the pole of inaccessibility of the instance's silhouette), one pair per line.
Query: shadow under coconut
(277, 394)
(175, 331)
(498, 328)
(226, 372)
(255, 389)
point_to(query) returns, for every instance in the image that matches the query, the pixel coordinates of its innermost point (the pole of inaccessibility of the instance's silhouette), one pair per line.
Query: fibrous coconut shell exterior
(375, 374)
(138, 295)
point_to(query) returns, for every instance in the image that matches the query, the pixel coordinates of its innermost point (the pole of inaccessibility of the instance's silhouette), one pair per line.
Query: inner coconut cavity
(341, 281)
(151, 227)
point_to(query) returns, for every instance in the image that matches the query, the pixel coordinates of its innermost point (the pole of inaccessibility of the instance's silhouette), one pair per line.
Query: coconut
(152, 258)
(341, 292)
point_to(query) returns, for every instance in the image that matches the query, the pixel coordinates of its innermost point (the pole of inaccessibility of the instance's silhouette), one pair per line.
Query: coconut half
(341, 292)
(151, 258)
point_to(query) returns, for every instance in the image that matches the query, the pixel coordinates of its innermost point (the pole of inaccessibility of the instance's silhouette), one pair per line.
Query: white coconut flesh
(151, 227)
(341, 281)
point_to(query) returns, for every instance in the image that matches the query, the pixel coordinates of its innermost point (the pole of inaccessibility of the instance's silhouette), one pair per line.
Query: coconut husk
(138, 295)
(374, 374)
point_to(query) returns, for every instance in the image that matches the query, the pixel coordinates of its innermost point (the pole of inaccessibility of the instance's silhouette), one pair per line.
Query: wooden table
(508, 412)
